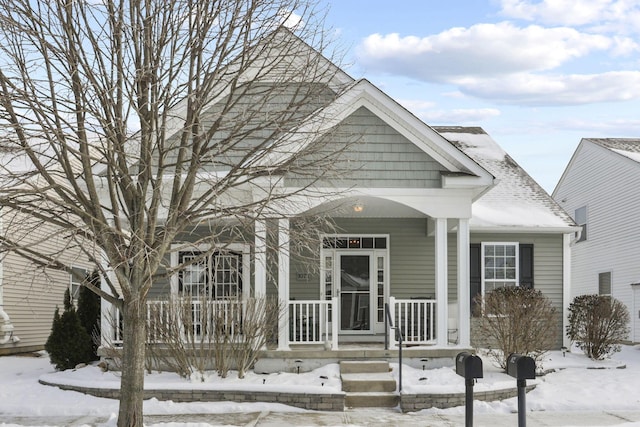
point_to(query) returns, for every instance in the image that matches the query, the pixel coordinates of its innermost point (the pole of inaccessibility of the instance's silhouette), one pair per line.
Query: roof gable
(373, 155)
(627, 147)
(464, 171)
(624, 149)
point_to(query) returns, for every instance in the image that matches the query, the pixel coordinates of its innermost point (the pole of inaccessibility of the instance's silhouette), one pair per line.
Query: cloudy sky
(537, 75)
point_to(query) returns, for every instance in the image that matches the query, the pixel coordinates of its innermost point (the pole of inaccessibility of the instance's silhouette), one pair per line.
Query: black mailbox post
(468, 366)
(522, 368)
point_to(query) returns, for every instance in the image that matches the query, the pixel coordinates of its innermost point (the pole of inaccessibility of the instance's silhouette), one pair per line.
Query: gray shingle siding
(377, 156)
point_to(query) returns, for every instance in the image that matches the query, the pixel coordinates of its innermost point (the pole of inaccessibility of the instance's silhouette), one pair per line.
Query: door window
(355, 292)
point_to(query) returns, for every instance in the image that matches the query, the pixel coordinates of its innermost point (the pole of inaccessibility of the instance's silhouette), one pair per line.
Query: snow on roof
(516, 201)
(628, 147)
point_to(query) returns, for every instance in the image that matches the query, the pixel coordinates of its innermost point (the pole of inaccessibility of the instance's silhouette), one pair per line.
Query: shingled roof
(517, 201)
(628, 147)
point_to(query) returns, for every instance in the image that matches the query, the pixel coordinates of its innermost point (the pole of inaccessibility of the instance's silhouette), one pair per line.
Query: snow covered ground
(577, 384)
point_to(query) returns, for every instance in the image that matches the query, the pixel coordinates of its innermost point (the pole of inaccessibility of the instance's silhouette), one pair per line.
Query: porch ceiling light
(357, 208)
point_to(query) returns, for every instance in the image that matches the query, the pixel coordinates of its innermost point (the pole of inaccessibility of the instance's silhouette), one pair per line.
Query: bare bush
(517, 320)
(192, 337)
(597, 324)
(260, 315)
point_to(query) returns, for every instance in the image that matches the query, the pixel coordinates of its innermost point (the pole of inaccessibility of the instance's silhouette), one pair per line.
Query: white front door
(355, 291)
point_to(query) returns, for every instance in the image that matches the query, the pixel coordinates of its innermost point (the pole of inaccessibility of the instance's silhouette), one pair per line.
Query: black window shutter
(526, 265)
(475, 272)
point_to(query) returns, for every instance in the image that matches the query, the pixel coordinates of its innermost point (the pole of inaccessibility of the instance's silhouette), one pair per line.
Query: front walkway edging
(416, 402)
(313, 401)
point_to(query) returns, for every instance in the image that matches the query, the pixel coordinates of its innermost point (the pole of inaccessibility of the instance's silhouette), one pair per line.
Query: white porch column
(442, 323)
(283, 282)
(464, 306)
(260, 256)
(108, 311)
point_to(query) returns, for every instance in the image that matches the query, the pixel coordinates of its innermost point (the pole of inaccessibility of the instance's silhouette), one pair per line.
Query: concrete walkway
(356, 417)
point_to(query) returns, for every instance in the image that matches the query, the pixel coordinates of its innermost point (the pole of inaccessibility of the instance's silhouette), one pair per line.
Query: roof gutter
(507, 229)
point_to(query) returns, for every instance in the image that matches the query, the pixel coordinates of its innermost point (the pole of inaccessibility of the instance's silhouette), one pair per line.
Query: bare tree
(131, 122)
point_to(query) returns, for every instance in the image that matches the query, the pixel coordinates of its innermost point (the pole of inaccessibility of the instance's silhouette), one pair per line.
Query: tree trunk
(133, 363)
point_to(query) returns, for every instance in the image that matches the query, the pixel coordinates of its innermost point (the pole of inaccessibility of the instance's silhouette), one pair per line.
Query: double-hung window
(500, 266)
(496, 264)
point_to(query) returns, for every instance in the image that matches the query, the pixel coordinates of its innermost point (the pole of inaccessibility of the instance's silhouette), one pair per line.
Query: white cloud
(603, 126)
(557, 12)
(574, 89)
(416, 104)
(613, 16)
(459, 116)
(481, 50)
(510, 64)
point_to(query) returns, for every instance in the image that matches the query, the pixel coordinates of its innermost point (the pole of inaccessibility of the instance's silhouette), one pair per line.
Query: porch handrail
(388, 322)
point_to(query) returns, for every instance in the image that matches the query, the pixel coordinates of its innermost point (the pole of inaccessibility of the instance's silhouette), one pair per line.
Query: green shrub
(89, 311)
(517, 320)
(68, 344)
(597, 324)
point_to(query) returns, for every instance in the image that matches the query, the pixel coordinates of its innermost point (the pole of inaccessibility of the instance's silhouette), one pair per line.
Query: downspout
(6, 328)
(566, 288)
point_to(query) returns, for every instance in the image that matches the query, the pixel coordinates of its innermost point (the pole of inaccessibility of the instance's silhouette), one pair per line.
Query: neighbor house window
(581, 219)
(75, 282)
(499, 265)
(604, 283)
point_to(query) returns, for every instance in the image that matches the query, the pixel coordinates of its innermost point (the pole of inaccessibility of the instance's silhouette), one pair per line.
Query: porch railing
(416, 319)
(310, 322)
(193, 320)
(313, 322)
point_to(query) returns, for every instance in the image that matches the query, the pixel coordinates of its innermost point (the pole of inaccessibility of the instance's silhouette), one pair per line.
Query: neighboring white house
(428, 218)
(600, 187)
(29, 294)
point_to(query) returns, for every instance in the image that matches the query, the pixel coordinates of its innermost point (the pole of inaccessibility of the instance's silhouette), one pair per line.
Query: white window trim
(72, 281)
(482, 265)
(610, 294)
(242, 248)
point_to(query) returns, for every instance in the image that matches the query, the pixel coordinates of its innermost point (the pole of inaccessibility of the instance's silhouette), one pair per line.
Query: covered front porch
(400, 275)
(390, 253)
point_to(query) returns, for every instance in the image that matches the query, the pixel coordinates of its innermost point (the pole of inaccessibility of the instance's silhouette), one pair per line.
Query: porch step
(363, 366)
(372, 400)
(368, 384)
